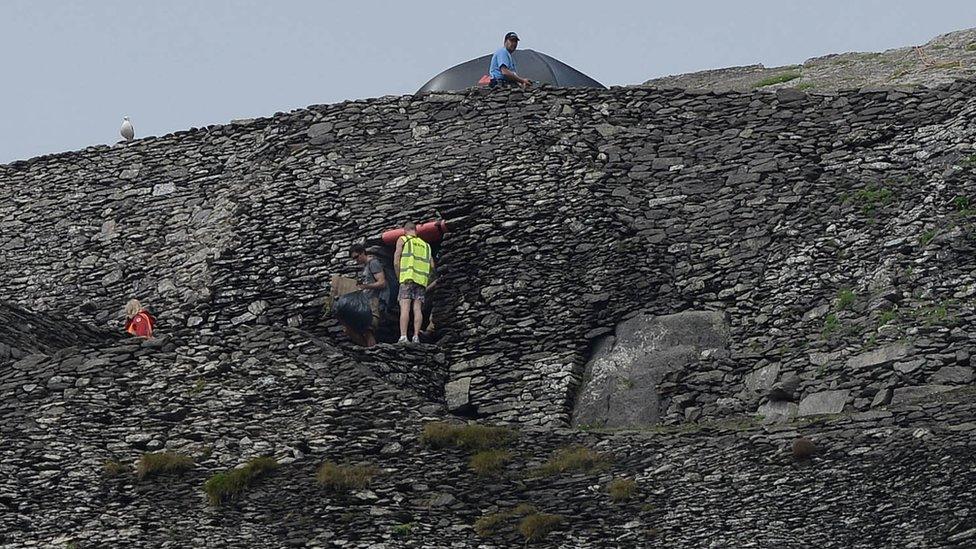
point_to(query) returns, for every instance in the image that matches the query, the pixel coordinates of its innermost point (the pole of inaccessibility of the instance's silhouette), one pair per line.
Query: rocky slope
(942, 60)
(827, 239)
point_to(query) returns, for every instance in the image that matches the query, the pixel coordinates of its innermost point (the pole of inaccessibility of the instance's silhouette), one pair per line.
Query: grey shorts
(412, 290)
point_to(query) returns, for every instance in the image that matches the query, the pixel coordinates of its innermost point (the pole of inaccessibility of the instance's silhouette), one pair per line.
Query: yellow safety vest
(415, 261)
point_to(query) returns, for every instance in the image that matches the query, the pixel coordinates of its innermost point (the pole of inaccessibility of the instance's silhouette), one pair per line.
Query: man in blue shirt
(502, 67)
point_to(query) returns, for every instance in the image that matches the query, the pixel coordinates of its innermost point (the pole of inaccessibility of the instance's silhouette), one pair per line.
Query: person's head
(511, 41)
(410, 227)
(132, 308)
(358, 253)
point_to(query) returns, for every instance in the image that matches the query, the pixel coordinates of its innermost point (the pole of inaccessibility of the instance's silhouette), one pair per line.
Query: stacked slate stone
(23, 333)
(832, 233)
(900, 476)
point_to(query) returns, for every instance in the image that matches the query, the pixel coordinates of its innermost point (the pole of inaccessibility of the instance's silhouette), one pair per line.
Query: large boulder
(621, 379)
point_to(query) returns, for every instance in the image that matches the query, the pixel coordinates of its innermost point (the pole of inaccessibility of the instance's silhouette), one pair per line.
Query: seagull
(127, 132)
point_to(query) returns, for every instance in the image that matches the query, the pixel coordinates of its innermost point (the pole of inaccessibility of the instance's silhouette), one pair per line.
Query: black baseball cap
(511, 36)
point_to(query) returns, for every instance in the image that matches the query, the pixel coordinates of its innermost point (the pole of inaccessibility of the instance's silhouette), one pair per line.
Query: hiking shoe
(403, 339)
(416, 339)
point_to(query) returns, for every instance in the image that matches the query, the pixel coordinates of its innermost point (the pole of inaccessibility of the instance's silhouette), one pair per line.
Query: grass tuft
(488, 525)
(228, 485)
(887, 317)
(113, 468)
(345, 478)
(777, 79)
(871, 199)
(621, 489)
(403, 530)
(537, 526)
(440, 434)
(927, 237)
(830, 325)
(845, 299)
(573, 458)
(489, 462)
(161, 463)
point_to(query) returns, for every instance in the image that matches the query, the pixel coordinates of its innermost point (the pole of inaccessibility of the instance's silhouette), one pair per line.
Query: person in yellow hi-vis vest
(414, 268)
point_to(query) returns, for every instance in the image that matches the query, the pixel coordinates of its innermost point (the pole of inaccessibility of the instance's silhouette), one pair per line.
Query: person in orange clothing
(138, 320)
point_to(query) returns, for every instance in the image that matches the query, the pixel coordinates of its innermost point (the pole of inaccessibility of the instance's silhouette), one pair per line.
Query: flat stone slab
(884, 355)
(779, 411)
(457, 393)
(962, 375)
(904, 395)
(824, 402)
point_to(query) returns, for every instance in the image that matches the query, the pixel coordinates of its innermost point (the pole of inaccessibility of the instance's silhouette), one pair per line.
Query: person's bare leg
(418, 317)
(404, 317)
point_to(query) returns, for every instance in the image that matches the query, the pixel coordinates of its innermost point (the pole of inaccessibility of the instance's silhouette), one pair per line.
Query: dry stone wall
(828, 238)
(834, 232)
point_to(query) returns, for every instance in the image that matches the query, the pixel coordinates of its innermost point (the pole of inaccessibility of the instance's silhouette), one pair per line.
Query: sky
(70, 70)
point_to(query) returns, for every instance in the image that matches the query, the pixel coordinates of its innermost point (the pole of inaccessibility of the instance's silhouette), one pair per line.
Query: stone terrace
(833, 234)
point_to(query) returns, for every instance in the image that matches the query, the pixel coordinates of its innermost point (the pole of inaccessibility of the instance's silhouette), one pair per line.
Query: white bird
(127, 132)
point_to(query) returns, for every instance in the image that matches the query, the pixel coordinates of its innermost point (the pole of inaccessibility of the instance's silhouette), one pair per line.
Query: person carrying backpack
(414, 266)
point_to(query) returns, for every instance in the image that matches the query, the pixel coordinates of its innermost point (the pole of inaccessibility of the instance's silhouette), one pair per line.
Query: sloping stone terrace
(898, 477)
(578, 209)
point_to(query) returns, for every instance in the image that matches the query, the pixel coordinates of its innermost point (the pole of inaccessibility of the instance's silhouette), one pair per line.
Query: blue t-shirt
(499, 58)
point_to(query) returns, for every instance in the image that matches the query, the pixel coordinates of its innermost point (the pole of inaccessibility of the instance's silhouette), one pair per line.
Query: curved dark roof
(531, 64)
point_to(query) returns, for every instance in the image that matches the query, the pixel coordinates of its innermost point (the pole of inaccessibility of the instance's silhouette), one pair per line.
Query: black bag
(353, 310)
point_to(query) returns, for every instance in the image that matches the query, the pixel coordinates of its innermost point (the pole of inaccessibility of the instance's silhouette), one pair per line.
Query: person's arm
(511, 75)
(380, 282)
(397, 254)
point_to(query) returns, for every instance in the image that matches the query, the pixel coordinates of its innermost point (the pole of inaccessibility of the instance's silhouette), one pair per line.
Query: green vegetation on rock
(621, 489)
(830, 326)
(537, 526)
(113, 468)
(161, 463)
(489, 462)
(345, 478)
(440, 434)
(533, 525)
(403, 530)
(228, 485)
(871, 199)
(777, 79)
(845, 299)
(572, 459)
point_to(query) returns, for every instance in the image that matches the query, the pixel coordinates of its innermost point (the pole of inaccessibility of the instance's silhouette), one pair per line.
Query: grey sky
(71, 70)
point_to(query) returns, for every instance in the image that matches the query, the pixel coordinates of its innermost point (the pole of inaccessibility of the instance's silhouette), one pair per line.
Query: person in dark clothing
(372, 281)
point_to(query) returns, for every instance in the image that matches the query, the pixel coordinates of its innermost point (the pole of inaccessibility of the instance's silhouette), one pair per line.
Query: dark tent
(537, 67)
